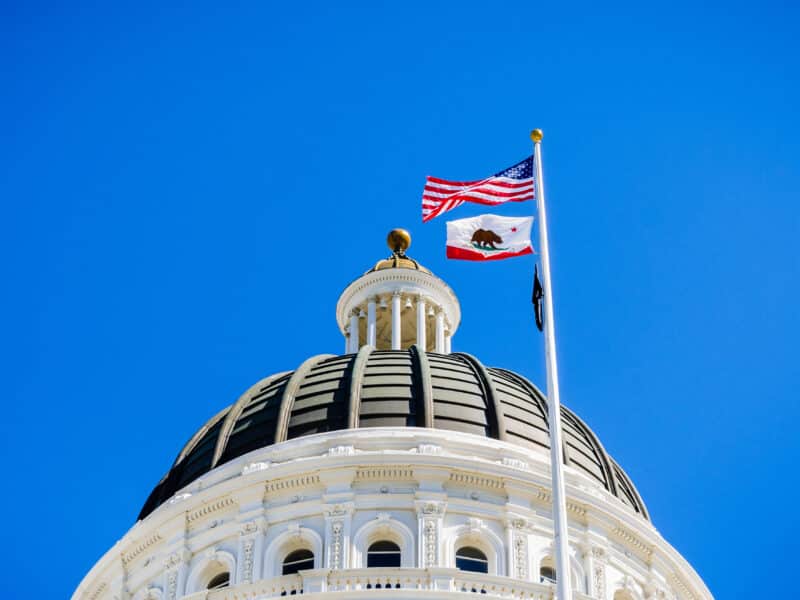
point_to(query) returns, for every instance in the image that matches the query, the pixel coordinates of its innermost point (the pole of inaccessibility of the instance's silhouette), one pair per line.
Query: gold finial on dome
(398, 241)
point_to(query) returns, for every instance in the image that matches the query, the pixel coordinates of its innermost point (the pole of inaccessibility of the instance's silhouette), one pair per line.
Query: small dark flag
(537, 298)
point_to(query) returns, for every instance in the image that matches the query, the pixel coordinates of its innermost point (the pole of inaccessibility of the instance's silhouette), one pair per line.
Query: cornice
(291, 483)
(634, 543)
(476, 480)
(210, 508)
(129, 556)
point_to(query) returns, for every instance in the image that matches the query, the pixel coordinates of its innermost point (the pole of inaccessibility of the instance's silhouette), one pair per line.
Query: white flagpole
(563, 580)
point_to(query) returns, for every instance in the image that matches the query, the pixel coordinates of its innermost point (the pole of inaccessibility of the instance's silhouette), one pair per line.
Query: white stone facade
(428, 491)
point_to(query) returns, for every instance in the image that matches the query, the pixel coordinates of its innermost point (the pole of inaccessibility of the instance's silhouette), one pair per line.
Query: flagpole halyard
(563, 581)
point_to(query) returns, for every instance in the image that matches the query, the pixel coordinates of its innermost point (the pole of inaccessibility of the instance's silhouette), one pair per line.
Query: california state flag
(489, 237)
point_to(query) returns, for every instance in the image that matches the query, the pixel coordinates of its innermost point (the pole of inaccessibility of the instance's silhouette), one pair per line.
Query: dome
(391, 388)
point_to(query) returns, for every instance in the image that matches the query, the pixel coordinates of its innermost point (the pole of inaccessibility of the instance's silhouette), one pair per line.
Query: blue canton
(521, 170)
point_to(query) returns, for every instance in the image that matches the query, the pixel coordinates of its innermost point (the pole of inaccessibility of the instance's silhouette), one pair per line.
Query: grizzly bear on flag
(486, 238)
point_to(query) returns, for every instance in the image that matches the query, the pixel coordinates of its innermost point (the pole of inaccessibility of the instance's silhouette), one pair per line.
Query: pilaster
(338, 526)
(252, 534)
(430, 516)
(517, 530)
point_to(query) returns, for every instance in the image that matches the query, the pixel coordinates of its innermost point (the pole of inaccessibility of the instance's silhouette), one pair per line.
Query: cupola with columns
(398, 303)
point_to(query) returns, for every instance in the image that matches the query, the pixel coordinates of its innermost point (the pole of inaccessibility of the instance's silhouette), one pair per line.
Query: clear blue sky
(187, 189)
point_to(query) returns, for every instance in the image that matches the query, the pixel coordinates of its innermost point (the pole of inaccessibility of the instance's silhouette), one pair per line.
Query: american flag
(514, 184)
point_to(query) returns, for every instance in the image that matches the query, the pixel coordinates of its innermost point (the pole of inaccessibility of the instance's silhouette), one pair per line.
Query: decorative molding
(645, 551)
(385, 473)
(431, 449)
(292, 482)
(249, 528)
(337, 527)
(129, 556)
(178, 498)
(578, 509)
(210, 508)
(255, 467)
(172, 585)
(430, 542)
(599, 579)
(472, 480)
(430, 508)
(341, 451)
(514, 463)
(684, 587)
(98, 591)
(247, 563)
(338, 510)
(520, 555)
(173, 560)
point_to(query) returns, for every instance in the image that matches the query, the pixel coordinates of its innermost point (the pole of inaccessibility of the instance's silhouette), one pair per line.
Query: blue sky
(186, 190)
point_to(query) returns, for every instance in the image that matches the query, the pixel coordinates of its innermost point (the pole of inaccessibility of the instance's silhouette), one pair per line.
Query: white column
(447, 343)
(440, 332)
(371, 326)
(421, 341)
(396, 332)
(354, 331)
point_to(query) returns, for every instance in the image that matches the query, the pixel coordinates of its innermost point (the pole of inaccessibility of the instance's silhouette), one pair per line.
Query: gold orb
(537, 135)
(398, 240)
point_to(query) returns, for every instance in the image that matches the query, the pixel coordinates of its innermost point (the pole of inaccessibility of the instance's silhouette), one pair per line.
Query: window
(547, 574)
(298, 560)
(383, 554)
(220, 581)
(471, 559)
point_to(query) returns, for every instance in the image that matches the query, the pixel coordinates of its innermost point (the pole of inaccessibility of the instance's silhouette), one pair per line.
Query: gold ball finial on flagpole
(398, 241)
(537, 135)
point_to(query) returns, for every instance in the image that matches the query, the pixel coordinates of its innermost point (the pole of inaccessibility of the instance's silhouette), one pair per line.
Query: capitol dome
(403, 388)
(397, 468)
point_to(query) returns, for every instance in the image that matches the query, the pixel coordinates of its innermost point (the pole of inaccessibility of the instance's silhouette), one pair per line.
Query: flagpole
(563, 580)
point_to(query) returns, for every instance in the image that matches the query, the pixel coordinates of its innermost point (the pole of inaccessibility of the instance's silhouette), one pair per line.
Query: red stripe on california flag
(466, 254)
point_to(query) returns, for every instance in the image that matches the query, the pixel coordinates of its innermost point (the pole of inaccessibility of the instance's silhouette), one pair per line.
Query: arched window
(383, 554)
(298, 560)
(547, 572)
(469, 558)
(220, 581)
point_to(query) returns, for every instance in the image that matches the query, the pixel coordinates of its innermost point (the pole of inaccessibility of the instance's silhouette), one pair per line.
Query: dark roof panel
(392, 390)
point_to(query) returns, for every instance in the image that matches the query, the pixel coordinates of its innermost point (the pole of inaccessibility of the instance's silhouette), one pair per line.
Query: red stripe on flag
(467, 254)
(488, 181)
(481, 190)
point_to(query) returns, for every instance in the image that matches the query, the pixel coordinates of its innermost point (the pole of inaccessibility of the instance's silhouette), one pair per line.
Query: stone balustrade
(376, 582)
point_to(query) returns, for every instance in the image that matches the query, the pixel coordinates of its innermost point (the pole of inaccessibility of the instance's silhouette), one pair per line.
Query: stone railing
(375, 582)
